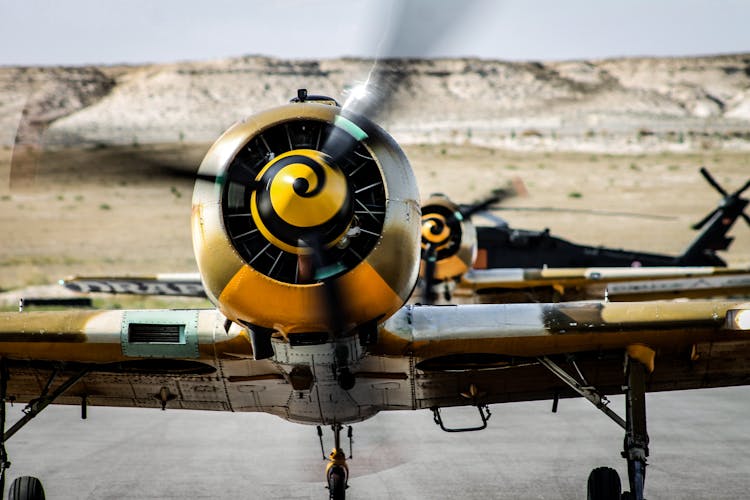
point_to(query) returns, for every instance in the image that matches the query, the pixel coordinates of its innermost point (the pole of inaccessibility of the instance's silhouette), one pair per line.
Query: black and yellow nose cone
(299, 196)
(436, 231)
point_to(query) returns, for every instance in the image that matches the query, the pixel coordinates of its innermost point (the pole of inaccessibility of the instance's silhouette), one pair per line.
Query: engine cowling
(450, 235)
(277, 186)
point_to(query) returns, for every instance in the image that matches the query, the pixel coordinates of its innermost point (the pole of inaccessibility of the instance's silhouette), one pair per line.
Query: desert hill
(622, 104)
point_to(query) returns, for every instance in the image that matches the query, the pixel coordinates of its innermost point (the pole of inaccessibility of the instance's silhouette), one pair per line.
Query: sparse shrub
(575, 194)
(644, 132)
(104, 206)
(530, 132)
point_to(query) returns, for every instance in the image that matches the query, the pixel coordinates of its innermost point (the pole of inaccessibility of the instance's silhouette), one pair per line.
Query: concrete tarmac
(700, 448)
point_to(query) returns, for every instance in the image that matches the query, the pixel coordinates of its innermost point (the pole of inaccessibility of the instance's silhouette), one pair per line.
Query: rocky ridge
(642, 103)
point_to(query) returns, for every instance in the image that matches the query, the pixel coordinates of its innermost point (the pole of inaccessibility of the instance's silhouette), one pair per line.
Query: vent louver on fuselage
(360, 220)
(155, 333)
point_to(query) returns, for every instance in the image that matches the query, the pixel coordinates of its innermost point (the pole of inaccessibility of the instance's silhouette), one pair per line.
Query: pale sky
(74, 32)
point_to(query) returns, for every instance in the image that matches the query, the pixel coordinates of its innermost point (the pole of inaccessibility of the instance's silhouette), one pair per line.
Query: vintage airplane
(306, 229)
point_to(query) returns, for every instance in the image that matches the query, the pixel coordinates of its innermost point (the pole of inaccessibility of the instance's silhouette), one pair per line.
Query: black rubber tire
(337, 484)
(26, 488)
(604, 484)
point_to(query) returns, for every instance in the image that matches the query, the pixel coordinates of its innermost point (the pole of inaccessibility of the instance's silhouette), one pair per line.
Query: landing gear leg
(4, 463)
(604, 482)
(26, 487)
(337, 472)
(636, 436)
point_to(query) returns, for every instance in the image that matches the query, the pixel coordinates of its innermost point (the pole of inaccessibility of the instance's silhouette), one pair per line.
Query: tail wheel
(604, 484)
(337, 484)
(26, 488)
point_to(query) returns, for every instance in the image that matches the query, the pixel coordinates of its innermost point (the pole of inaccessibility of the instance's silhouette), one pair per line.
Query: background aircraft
(503, 246)
(459, 258)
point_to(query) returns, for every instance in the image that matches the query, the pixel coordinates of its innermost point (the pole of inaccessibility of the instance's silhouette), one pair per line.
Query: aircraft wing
(172, 284)
(502, 350)
(614, 283)
(141, 358)
(425, 356)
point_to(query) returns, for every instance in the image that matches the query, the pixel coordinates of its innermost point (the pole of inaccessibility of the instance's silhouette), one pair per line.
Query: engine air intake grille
(364, 179)
(151, 333)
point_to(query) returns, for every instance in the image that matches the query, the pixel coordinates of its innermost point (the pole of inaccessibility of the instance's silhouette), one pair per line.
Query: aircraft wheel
(604, 484)
(26, 488)
(337, 484)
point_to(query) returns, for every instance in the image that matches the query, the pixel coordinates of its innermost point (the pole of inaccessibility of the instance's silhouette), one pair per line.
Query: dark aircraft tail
(715, 225)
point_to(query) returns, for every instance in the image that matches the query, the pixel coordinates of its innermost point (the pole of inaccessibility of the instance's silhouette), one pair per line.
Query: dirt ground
(113, 211)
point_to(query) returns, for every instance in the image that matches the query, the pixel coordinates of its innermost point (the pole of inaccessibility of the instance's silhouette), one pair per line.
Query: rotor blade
(742, 189)
(468, 210)
(746, 218)
(514, 187)
(704, 220)
(607, 213)
(709, 178)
